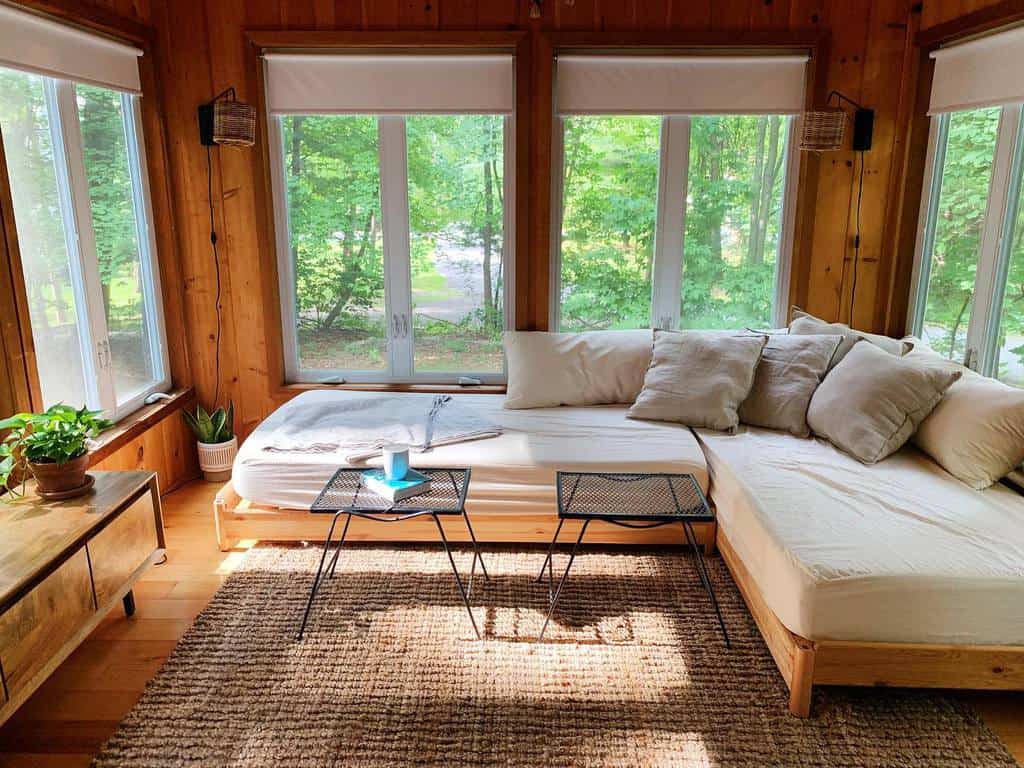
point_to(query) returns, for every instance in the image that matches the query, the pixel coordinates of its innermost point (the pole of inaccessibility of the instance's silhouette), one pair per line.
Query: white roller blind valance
(35, 44)
(665, 85)
(982, 73)
(389, 84)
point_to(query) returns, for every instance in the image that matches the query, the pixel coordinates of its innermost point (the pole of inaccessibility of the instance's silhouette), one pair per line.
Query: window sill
(290, 390)
(134, 425)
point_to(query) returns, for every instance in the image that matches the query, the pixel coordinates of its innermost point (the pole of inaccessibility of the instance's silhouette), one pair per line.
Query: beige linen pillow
(976, 432)
(551, 369)
(804, 323)
(698, 378)
(790, 370)
(871, 403)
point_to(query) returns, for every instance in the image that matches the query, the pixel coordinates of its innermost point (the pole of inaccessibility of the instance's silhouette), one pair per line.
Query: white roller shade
(692, 85)
(35, 44)
(981, 73)
(366, 84)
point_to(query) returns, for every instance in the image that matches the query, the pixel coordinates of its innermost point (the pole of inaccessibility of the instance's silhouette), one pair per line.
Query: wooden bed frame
(805, 663)
(802, 663)
(237, 518)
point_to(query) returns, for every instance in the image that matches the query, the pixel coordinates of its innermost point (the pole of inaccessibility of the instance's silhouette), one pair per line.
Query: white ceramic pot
(215, 459)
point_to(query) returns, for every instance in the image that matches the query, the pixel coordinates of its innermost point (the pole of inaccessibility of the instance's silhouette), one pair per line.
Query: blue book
(413, 484)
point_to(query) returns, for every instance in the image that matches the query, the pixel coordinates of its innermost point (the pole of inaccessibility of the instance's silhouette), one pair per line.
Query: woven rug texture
(632, 672)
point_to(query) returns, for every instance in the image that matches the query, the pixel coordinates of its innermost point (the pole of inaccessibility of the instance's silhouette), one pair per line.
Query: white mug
(396, 461)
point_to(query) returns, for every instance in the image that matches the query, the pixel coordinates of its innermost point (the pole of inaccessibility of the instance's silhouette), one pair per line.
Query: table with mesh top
(346, 495)
(630, 500)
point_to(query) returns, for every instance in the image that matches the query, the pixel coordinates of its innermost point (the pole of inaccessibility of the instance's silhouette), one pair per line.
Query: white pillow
(699, 378)
(551, 369)
(803, 323)
(976, 432)
(872, 402)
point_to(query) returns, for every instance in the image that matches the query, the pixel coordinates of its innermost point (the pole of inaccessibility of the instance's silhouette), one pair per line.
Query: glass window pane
(609, 202)
(736, 180)
(134, 344)
(456, 214)
(959, 217)
(55, 310)
(333, 187)
(1010, 340)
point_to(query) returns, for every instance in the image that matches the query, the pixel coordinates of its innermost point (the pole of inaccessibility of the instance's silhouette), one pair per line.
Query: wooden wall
(199, 49)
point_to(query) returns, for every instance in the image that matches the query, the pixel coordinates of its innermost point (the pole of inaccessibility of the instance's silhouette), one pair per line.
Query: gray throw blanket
(359, 428)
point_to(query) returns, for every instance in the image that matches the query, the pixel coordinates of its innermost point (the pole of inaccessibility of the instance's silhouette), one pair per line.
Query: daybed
(512, 493)
(895, 573)
(890, 574)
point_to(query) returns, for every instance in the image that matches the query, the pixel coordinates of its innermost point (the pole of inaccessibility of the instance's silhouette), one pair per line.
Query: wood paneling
(167, 448)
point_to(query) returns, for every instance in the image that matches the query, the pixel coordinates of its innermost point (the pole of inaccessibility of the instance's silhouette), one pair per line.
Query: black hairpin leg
(548, 563)
(341, 542)
(561, 582)
(319, 574)
(476, 556)
(705, 577)
(458, 579)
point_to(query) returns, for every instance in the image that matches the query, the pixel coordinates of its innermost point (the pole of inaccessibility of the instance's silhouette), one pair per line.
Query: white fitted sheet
(899, 551)
(513, 473)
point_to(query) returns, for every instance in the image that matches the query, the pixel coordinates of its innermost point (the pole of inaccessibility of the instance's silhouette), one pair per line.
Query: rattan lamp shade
(234, 123)
(823, 130)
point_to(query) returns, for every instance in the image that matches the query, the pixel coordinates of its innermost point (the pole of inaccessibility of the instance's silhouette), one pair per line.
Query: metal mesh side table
(346, 495)
(630, 500)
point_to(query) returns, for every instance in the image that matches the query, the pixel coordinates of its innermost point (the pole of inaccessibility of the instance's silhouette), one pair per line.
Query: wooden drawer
(35, 628)
(118, 550)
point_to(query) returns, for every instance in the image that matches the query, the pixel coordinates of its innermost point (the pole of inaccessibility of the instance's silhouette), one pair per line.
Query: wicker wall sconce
(227, 122)
(823, 130)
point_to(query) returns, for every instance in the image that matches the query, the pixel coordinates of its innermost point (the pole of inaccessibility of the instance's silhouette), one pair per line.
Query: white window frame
(981, 353)
(670, 222)
(80, 240)
(394, 203)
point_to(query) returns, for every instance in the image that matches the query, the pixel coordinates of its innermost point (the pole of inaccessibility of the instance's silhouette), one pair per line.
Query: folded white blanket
(359, 428)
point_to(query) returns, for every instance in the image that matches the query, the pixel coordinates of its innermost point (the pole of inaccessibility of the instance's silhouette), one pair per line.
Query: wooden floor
(70, 717)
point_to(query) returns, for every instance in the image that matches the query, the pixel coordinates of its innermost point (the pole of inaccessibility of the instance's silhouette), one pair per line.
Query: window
(674, 213)
(393, 226)
(74, 160)
(968, 302)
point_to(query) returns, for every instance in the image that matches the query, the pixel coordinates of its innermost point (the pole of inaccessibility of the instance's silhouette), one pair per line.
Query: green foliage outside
(734, 197)
(455, 171)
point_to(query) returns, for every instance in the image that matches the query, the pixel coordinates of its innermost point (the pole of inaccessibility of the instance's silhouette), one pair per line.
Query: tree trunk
(757, 195)
(346, 283)
(488, 245)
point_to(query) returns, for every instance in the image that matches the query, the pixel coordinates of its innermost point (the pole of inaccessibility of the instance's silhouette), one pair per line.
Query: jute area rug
(632, 672)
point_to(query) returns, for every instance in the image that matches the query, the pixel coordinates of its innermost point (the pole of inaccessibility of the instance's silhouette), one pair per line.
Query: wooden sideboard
(63, 566)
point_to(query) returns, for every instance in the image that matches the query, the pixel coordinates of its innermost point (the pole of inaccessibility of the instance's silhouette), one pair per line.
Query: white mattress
(512, 473)
(896, 552)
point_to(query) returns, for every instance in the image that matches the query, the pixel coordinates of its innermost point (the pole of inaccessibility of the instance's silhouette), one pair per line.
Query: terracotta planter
(62, 481)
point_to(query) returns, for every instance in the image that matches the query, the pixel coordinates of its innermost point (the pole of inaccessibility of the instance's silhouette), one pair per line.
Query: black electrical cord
(856, 238)
(216, 268)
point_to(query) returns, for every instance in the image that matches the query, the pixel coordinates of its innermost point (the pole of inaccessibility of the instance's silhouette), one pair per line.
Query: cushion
(803, 323)
(790, 370)
(872, 402)
(551, 369)
(976, 432)
(698, 378)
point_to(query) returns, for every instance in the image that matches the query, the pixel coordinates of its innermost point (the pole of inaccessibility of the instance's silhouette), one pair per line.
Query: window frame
(981, 347)
(394, 204)
(670, 221)
(75, 206)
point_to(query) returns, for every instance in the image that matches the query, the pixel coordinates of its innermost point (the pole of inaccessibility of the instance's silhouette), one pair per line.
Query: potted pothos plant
(52, 447)
(215, 440)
